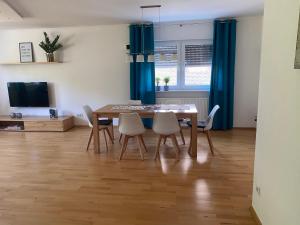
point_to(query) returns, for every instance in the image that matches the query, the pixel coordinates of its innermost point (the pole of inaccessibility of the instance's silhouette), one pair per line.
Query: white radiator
(201, 104)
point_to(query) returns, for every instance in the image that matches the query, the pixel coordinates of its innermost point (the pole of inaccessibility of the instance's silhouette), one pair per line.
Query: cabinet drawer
(43, 126)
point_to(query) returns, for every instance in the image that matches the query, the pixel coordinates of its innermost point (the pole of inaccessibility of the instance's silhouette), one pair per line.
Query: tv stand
(36, 123)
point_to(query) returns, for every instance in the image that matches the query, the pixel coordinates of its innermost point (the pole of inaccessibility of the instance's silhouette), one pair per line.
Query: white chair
(103, 125)
(131, 102)
(134, 102)
(205, 127)
(131, 125)
(166, 125)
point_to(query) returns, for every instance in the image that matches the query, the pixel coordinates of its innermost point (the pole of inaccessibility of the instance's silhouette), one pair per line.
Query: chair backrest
(89, 114)
(211, 116)
(134, 102)
(130, 124)
(165, 123)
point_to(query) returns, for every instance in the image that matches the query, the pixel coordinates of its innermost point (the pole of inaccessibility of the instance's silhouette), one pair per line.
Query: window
(187, 63)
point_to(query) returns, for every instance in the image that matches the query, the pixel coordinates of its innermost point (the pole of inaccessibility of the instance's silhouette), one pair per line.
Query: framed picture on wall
(26, 53)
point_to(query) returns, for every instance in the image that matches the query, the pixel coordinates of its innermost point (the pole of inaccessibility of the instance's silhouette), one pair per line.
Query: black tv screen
(34, 94)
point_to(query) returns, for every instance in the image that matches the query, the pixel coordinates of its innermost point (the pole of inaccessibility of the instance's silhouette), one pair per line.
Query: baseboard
(254, 215)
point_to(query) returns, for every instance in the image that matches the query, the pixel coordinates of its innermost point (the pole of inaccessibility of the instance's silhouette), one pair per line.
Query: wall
(94, 70)
(277, 161)
(249, 35)
(249, 30)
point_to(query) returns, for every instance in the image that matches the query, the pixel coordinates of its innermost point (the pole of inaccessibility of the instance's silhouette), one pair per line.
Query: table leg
(193, 152)
(96, 133)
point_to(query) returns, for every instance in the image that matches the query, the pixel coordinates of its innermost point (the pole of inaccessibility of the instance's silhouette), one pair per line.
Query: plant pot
(157, 88)
(50, 57)
(166, 88)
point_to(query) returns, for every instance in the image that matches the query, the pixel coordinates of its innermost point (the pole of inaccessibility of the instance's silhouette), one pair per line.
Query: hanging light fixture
(151, 57)
(143, 56)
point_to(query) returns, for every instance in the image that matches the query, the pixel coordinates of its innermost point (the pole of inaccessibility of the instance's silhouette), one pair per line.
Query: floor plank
(49, 178)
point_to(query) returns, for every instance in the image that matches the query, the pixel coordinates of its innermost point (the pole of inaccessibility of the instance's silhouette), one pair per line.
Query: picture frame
(26, 52)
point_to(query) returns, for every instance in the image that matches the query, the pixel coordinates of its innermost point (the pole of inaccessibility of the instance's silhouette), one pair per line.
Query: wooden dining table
(182, 111)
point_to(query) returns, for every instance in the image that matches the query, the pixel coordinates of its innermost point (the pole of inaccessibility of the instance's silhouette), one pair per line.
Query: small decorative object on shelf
(13, 115)
(26, 53)
(53, 114)
(50, 47)
(166, 80)
(16, 115)
(19, 115)
(157, 79)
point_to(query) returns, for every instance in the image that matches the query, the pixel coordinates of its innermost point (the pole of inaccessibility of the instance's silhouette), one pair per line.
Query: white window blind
(198, 55)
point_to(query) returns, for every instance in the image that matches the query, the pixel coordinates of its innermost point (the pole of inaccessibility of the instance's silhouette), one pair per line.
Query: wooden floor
(49, 179)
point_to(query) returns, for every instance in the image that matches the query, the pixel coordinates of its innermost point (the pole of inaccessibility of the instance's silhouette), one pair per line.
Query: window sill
(183, 94)
(174, 91)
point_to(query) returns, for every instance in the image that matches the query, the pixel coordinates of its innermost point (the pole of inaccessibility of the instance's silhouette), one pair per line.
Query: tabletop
(148, 109)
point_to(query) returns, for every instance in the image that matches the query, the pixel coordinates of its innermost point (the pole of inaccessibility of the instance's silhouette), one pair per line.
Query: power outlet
(258, 190)
(80, 115)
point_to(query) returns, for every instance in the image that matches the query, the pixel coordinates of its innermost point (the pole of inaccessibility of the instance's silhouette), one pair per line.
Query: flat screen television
(33, 94)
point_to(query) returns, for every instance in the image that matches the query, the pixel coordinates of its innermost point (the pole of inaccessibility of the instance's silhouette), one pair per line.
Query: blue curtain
(222, 78)
(142, 75)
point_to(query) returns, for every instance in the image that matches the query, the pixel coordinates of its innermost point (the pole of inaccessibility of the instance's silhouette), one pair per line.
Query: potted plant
(50, 47)
(157, 79)
(166, 80)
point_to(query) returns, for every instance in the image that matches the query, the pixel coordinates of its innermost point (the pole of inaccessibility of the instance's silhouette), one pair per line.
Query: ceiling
(36, 13)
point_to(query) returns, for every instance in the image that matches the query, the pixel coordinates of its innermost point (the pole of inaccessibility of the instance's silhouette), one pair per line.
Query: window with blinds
(165, 62)
(197, 64)
(187, 63)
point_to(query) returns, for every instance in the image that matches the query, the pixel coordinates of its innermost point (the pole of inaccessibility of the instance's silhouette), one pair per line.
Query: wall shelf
(30, 63)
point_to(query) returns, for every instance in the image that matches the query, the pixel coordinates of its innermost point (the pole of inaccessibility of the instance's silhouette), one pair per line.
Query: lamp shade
(140, 58)
(129, 58)
(151, 58)
(162, 57)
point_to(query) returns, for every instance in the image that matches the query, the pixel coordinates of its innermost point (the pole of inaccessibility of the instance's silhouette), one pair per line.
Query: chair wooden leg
(165, 140)
(182, 136)
(211, 146)
(90, 139)
(158, 146)
(120, 138)
(124, 146)
(140, 147)
(110, 135)
(105, 140)
(143, 143)
(176, 146)
(112, 131)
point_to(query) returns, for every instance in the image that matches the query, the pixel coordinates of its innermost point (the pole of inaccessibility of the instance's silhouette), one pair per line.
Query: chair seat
(200, 124)
(104, 122)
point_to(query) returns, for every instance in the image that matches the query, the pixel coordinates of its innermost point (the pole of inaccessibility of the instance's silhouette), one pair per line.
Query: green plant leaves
(48, 46)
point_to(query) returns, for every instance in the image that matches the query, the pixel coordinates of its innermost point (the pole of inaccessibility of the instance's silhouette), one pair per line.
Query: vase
(50, 57)
(166, 88)
(157, 88)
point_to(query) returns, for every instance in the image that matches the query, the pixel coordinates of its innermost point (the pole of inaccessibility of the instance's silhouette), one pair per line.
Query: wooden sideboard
(36, 123)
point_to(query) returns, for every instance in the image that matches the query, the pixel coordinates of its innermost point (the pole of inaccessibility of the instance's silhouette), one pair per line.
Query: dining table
(182, 111)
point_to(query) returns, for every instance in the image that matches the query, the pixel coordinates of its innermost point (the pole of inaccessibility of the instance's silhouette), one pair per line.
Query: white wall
(277, 160)
(94, 70)
(249, 35)
(249, 32)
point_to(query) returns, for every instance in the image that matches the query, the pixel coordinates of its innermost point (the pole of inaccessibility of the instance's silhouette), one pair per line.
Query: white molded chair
(205, 127)
(131, 102)
(103, 125)
(166, 125)
(131, 125)
(134, 102)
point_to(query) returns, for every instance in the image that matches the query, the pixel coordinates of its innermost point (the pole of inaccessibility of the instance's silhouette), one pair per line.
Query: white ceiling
(93, 12)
